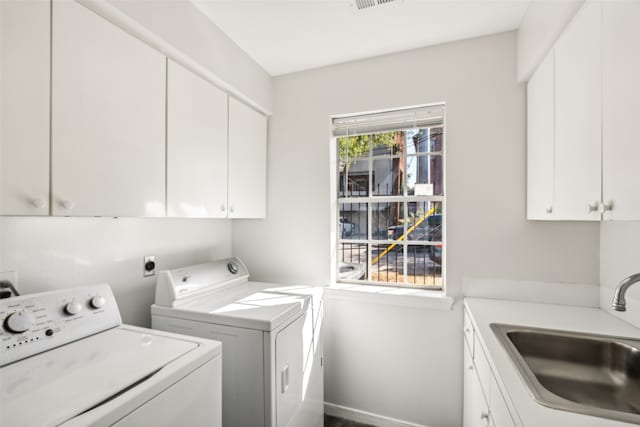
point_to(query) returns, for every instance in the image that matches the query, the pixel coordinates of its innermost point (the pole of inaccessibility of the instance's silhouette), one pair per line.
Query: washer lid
(53, 387)
(243, 305)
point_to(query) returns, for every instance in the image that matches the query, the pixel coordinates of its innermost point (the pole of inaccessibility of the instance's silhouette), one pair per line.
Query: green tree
(352, 147)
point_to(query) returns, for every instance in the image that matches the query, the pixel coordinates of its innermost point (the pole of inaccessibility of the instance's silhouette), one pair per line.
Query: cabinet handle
(593, 207)
(38, 203)
(68, 204)
(231, 208)
(604, 207)
(284, 379)
(223, 208)
(470, 367)
(484, 416)
(549, 209)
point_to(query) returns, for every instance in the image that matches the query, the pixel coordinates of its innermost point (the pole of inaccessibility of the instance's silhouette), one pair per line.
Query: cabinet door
(475, 409)
(108, 118)
(500, 416)
(289, 372)
(540, 141)
(247, 161)
(196, 146)
(578, 117)
(24, 107)
(621, 109)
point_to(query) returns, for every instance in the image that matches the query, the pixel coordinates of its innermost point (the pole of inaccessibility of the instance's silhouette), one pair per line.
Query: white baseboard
(365, 417)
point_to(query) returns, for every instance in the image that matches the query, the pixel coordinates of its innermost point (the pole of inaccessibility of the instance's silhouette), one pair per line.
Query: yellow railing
(409, 230)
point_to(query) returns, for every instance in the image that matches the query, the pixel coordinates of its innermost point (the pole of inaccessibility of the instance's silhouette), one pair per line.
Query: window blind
(388, 121)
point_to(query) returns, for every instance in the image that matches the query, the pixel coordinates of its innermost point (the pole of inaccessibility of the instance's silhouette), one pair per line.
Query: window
(391, 197)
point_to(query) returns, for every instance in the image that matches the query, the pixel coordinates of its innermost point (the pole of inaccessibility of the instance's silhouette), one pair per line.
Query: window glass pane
(352, 259)
(387, 263)
(424, 175)
(424, 140)
(424, 221)
(424, 265)
(357, 178)
(387, 176)
(386, 220)
(353, 221)
(385, 144)
(352, 148)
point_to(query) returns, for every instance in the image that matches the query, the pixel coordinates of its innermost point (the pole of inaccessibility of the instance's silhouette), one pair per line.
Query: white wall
(54, 253)
(181, 24)
(488, 234)
(619, 259)
(540, 28)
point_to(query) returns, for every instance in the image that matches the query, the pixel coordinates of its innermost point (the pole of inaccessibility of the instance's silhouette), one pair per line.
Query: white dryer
(272, 361)
(66, 360)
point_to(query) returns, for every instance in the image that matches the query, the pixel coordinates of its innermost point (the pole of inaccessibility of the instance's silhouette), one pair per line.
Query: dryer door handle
(284, 379)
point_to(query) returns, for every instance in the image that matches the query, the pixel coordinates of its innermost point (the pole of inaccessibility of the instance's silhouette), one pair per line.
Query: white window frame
(404, 198)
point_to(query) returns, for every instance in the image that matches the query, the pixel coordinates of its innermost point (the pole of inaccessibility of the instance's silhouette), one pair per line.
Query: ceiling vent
(367, 4)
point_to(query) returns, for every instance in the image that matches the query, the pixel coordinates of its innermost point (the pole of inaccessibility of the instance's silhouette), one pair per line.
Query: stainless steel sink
(590, 374)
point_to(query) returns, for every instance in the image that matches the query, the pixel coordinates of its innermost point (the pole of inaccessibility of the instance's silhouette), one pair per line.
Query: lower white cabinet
(499, 412)
(24, 107)
(247, 161)
(108, 118)
(196, 146)
(476, 409)
(484, 404)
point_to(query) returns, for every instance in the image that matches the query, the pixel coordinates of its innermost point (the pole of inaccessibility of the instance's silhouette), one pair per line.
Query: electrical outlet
(149, 266)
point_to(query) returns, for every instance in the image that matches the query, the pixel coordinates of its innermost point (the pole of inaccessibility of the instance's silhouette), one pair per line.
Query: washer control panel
(31, 324)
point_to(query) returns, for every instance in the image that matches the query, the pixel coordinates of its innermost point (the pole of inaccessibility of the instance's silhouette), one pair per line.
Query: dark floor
(330, 421)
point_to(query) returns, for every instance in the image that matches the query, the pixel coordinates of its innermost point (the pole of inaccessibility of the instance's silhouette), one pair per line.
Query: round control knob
(98, 301)
(233, 267)
(18, 322)
(73, 308)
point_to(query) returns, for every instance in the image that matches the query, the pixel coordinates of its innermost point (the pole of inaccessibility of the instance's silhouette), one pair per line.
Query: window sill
(416, 298)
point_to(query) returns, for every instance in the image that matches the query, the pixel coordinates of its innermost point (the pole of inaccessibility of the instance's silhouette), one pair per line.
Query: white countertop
(483, 312)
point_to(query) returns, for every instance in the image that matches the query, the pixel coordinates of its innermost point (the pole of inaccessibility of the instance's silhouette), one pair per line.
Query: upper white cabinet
(108, 118)
(596, 105)
(621, 110)
(197, 120)
(95, 122)
(578, 125)
(24, 107)
(540, 141)
(247, 161)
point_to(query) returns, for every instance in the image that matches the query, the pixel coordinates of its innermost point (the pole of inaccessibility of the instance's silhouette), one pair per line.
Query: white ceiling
(285, 36)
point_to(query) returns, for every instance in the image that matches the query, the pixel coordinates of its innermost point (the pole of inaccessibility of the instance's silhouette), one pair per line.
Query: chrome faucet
(619, 303)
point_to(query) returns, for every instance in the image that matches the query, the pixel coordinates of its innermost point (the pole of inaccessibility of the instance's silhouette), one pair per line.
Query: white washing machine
(66, 360)
(271, 334)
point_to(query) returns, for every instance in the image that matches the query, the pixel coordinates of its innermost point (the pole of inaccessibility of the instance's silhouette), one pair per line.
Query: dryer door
(289, 371)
